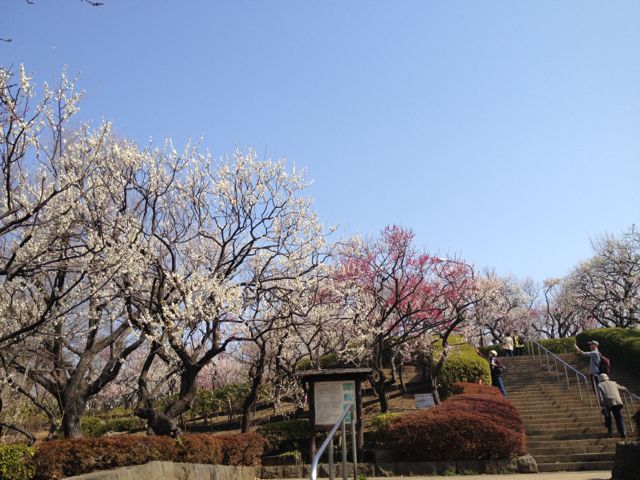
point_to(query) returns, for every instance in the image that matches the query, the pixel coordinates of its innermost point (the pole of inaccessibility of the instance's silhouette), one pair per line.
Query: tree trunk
(394, 369)
(401, 377)
(72, 418)
(250, 401)
(187, 394)
(380, 386)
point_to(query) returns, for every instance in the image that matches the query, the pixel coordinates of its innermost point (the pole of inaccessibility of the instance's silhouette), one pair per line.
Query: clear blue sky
(507, 132)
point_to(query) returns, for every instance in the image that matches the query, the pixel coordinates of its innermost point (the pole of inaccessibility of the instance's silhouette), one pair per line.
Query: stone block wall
(172, 471)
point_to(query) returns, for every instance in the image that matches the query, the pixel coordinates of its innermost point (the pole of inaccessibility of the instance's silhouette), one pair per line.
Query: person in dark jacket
(497, 369)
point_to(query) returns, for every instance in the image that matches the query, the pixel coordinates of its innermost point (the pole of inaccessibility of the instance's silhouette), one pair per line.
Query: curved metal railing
(548, 354)
(329, 443)
(580, 377)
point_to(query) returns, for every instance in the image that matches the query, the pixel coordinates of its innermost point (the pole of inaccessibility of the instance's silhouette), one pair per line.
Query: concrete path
(597, 475)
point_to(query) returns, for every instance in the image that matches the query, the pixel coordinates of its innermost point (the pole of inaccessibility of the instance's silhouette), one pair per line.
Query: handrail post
(627, 409)
(546, 354)
(344, 449)
(566, 374)
(328, 443)
(555, 361)
(354, 443)
(331, 476)
(579, 387)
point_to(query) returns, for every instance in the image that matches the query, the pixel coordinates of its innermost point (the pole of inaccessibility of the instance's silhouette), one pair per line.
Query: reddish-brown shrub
(494, 408)
(465, 427)
(475, 389)
(64, 458)
(244, 449)
(200, 448)
(636, 419)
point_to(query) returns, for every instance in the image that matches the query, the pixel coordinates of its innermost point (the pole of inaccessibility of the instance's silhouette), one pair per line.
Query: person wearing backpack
(595, 361)
(610, 392)
(497, 369)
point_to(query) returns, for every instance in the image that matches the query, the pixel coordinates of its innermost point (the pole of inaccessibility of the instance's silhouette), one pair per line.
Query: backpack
(605, 365)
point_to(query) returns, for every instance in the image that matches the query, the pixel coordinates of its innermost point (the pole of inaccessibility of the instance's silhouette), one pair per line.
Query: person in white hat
(497, 369)
(610, 392)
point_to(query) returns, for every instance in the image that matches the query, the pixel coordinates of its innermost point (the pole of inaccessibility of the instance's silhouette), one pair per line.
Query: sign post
(330, 393)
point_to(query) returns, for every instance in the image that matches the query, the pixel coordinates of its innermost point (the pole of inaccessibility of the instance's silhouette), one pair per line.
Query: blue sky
(504, 132)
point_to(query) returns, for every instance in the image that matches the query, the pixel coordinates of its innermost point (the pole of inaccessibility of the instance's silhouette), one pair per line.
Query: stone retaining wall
(627, 466)
(172, 471)
(525, 464)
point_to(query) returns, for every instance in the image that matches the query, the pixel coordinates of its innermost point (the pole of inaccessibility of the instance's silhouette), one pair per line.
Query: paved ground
(516, 476)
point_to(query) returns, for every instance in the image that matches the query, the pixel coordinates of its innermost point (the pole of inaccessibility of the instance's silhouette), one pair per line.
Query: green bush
(381, 421)
(15, 462)
(96, 427)
(559, 345)
(555, 345)
(622, 345)
(286, 435)
(463, 364)
(328, 360)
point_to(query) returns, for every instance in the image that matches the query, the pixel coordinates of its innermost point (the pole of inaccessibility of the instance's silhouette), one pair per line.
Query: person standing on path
(519, 343)
(610, 392)
(594, 362)
(508, 345)
(497, 369)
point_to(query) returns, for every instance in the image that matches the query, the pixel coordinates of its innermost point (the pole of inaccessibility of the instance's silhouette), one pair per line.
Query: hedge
(286, 435)
(555, 345)
(64, 458)
(622, 345)
(15, 462)
(95, 426)
(475, 389)
(463, 365)
(465, 427)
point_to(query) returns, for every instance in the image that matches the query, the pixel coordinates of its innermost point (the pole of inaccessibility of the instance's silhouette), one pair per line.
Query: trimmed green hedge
(96, 427)
(555, 345)
(15, 462)
(328, 360)
(463, 365)
(622, 345)
(286, 435)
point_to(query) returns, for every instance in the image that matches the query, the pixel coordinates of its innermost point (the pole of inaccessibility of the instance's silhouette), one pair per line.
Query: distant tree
(607, 286)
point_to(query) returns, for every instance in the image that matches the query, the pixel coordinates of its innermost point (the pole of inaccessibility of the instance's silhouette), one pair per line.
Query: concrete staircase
(563, 432)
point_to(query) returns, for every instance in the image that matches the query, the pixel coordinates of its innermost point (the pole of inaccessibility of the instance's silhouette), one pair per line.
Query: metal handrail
(532, 344)
(329, 443)
(579, 375)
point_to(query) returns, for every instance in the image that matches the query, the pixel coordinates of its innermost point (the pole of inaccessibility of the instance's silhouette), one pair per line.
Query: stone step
(568, 450)
(574, 466)
(575, 458)
(609, 442)
(566, 433)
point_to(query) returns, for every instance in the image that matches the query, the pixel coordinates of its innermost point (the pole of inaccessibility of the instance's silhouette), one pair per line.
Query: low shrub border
(15, 462)
(64, 458)
(622, 345)
(554, 345)
(467, 426)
